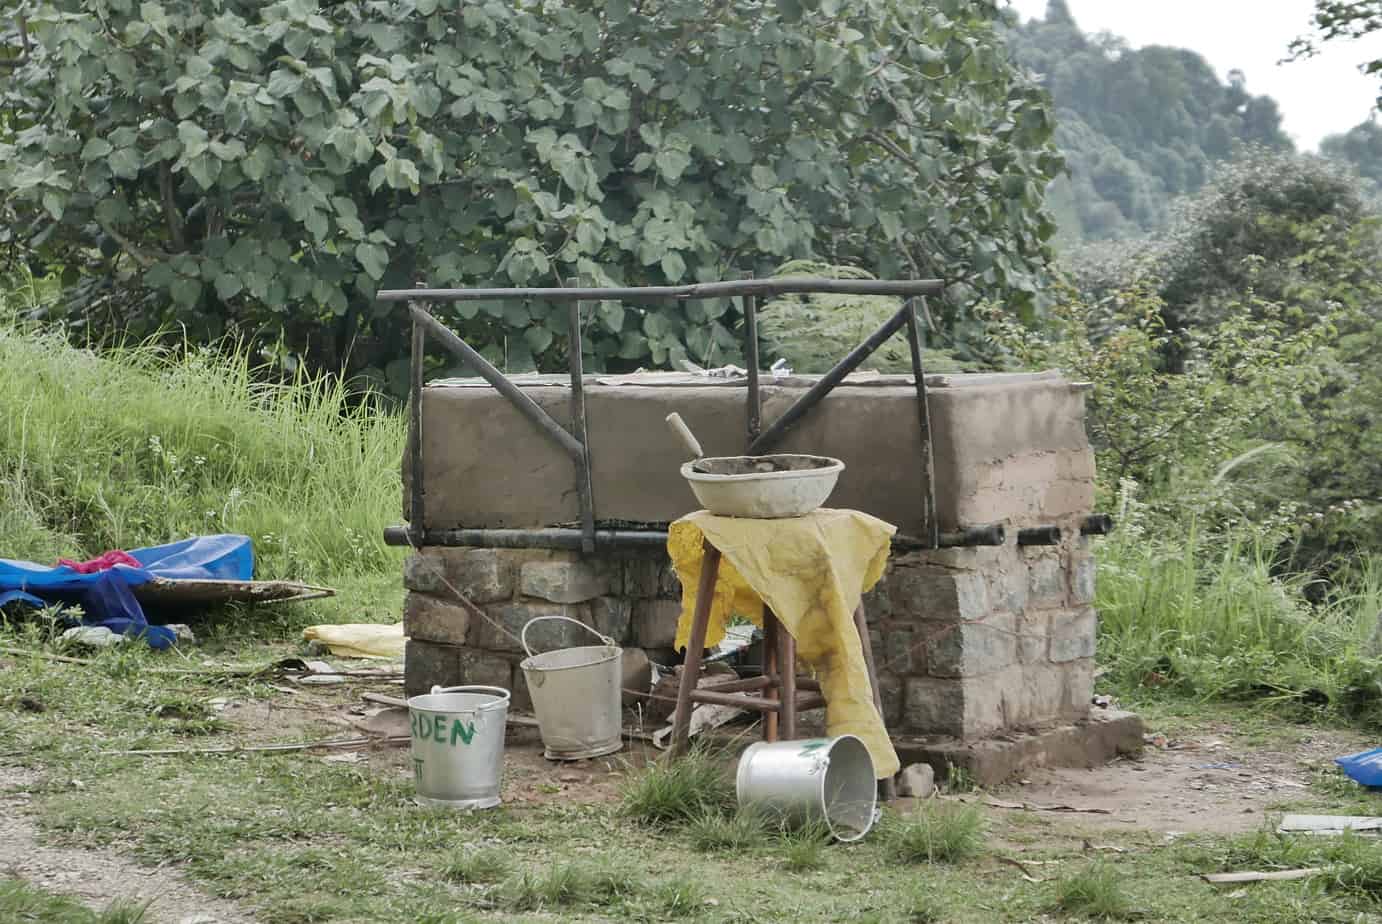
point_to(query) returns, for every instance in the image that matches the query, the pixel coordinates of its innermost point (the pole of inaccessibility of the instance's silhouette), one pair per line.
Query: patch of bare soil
(98, 877)
(1214, 782)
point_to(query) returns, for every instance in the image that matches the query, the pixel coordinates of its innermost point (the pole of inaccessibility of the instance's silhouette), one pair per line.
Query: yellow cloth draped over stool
(811, 571)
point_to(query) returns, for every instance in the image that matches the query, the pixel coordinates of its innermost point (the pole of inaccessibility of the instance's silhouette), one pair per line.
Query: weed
(716, 831)
(20, 901)
(937, 832)
(1094, 892)
(959, 780)
(475, 866)
(568, 885)
(924, 907)
(680, 791)
(803, 852)
(678, 897)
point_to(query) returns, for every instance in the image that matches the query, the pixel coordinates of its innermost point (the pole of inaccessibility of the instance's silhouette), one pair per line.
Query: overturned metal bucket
(826, 781)
(576, 695)
(458, 745)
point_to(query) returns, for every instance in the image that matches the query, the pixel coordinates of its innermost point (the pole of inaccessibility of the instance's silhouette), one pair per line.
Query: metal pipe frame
(577, 445)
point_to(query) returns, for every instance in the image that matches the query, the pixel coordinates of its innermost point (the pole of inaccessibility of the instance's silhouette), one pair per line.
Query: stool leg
(887, 789)
(787, 669)
(695, 646)
(772, 669)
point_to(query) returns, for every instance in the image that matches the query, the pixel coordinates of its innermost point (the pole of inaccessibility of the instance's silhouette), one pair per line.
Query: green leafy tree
(263, 168)
(1360, 147)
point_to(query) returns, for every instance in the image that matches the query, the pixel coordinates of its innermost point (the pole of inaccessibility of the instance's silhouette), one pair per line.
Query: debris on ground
(1329, 824)
(1031, 807)
(359, 640)
(1274, 876)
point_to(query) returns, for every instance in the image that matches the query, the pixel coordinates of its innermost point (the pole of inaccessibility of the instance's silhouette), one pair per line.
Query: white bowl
(792, 485)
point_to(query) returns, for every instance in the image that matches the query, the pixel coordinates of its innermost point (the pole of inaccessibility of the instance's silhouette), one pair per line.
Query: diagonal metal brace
(526, 406)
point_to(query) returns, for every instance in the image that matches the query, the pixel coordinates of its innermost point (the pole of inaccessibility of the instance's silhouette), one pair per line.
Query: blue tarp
(1364, 768)
(107, 598)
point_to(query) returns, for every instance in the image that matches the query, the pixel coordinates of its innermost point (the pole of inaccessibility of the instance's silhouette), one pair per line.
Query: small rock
(571, 778)
(917, 781)
(184, 633)
(92, 636)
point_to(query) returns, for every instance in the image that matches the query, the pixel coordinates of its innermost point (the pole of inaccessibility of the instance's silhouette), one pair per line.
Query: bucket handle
(501, 695)
(529, 624)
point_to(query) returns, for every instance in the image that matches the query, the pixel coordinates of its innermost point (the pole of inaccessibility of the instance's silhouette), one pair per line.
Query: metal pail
(575, 693)
(817, 780)
(458, 745)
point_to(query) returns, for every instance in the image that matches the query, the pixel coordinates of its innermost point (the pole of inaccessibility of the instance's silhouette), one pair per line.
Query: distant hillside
(1138, 127)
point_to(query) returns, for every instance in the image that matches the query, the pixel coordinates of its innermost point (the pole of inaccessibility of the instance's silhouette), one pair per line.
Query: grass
(1208, 619)
(937, 832)
(735, 832)
(476, 866)
(145, 444)
(681, 792)
(1094, 892)
(20, 901)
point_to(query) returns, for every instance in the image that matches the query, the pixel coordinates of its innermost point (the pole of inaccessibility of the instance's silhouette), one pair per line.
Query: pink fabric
(103, 563)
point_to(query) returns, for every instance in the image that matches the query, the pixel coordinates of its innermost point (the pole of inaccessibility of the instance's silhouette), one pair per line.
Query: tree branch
(170, 209)
(135, 253)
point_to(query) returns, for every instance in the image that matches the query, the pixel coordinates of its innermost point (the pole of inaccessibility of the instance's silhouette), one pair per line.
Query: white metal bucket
(817, 780)
(458, 745)
(576, 696)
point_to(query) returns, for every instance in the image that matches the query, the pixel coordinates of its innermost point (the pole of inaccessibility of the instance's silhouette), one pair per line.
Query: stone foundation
(968, 642)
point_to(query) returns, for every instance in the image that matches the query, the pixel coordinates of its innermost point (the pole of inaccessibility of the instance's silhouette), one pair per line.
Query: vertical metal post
(583, 482)
(755, 416)
(930, 526)
(415, 377)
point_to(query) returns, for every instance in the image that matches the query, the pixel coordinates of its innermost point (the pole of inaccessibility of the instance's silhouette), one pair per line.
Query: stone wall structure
(970, 642)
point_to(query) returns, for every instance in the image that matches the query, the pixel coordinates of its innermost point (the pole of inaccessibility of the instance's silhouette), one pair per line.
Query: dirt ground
(1215, 779)
(98, 877)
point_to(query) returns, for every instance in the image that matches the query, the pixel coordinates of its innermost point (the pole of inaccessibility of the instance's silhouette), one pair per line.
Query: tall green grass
(143, 445)
(1213, 617)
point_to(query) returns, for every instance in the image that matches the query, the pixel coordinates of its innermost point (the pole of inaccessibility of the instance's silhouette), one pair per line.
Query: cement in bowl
(762, 487)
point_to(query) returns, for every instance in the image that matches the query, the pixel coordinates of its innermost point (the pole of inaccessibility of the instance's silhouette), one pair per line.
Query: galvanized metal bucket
(818, 780)
(575, 693)
(458, 745)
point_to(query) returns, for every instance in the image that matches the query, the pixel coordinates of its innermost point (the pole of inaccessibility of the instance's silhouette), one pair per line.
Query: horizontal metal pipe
(759, 287)
(525, 405)
(828, 381)
(556, 538)
(564, 538)
(992, 534)
(1098, 524)
(1039, 535)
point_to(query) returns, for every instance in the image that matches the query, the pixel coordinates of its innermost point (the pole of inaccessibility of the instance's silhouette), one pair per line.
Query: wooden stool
(779, 699)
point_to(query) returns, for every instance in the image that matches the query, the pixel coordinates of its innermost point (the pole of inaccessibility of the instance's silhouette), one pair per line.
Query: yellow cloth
(811, 571)
(359, 640)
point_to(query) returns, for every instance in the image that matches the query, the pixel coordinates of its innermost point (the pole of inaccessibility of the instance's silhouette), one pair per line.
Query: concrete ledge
(1106, 734)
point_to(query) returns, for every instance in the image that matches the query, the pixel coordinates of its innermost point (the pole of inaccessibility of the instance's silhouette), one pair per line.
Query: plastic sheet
(1364, 768)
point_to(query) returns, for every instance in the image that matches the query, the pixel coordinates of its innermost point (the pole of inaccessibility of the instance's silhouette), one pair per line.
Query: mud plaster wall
(969, 642)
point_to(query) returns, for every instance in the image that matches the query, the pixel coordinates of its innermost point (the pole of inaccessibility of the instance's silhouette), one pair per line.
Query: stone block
(899, 651)
(1073, 634)
(1007, 588)
(971, 649)
(1045, 580)
(1079, 687)
(612, 616)
(571, 581)
(427, 664)
(655, 622)
(504, 627)
(668, 583)
(893, 693)
(485, 668)
(434, 619)
(482, 575)
(640, 578)
(1041, 696)
(916, 781)
(965, 708)
(928, 592)
(877, 604)
(1033, 632)
(1082, 584)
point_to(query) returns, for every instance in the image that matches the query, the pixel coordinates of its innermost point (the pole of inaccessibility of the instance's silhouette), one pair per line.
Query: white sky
(1321, 96)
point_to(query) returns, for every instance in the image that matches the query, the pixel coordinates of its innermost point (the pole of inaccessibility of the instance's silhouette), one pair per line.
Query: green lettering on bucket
(464, 732)
(810, 747)
(417, 771)
(439, 729)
